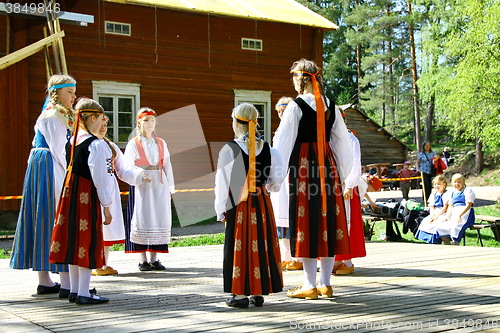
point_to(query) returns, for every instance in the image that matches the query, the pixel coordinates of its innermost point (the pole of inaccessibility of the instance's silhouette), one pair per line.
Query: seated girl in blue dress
(438, 203)
(461, 216)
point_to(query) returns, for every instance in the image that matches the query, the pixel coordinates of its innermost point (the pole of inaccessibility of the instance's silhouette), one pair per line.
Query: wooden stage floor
(398, 287)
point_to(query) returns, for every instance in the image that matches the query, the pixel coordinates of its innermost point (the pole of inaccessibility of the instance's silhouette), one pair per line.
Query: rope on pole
(14, 197)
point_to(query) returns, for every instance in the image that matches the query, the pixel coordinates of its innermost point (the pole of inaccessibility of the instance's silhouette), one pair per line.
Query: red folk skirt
(77, 236)
(356, 230)
(313, 234)
(252, 259)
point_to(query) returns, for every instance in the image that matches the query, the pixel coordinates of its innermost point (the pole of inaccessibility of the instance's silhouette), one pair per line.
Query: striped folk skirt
(31, 245)
(312, 233)
(77, 237)
(252, 259)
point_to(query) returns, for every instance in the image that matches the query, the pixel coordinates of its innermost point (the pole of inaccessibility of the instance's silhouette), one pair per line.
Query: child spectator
(447, 159)
(438, 203)
(405, 184)
(461, 216)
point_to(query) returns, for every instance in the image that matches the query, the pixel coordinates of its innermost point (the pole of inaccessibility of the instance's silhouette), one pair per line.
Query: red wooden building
(207, 56)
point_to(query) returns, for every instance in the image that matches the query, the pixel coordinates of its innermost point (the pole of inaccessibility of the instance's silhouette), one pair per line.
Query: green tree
(466, 82)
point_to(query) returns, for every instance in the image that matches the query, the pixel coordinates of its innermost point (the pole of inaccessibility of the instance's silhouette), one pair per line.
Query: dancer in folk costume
(42, 187)
(77, 237)
(453, 225)
(114, 233)
(438, 203)
(245, 167)
(149, 213)
(280, 207)
(343, 264)
(310, 134)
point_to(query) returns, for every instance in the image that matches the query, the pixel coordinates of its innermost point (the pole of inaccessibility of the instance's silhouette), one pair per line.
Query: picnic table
(378, 166)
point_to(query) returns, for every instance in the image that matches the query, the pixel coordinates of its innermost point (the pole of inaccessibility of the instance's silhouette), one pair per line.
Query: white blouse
(223, 175)
(446, 198)
(54, 133)
(153, 156)
(354, 175)
(126, 171)
(340, 142)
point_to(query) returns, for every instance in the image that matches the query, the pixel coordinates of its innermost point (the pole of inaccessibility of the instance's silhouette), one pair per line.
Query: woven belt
(149, 167)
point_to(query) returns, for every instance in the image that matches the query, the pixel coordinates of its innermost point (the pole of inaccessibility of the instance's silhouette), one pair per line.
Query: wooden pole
(7, 38)
(62, 55)
(48, 65)
(52, 30)
(423, 188)
(25, 52)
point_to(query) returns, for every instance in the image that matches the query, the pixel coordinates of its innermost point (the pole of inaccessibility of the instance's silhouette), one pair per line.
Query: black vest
(80, 158)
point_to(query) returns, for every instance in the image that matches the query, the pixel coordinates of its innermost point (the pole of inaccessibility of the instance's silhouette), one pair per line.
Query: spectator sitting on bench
(461, 216)
(438, 203)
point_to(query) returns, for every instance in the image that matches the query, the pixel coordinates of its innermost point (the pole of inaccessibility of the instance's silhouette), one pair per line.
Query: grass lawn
(214, 239)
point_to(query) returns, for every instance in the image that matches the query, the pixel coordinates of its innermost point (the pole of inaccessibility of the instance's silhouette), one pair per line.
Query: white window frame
(250, 40)
(118, 89)
(257, 97)
(118, 33)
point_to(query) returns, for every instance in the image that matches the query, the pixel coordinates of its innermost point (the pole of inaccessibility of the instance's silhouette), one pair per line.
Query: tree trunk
(429, 118)
(479, 157)
(392, 89)
(416, 108)
(358, 61)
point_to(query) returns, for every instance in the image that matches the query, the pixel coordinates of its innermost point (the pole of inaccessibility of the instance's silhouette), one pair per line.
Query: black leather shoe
(237, 303)
(157, 266)
(145, 267)
(257, 300)
(65, 293)
(42, 290)
(72, 297)
(82, 300)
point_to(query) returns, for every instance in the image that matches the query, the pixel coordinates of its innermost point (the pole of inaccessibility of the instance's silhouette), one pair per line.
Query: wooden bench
(375, 219)
(485, 222)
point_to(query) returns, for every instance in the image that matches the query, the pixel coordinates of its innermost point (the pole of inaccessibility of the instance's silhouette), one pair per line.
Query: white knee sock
(65, 281)
(73, 278)
(143, 257)
(84, 275)
(44, 279)
(310, 268)
(153, 256)
(325, 271)
(348, 263)
(285, 250)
